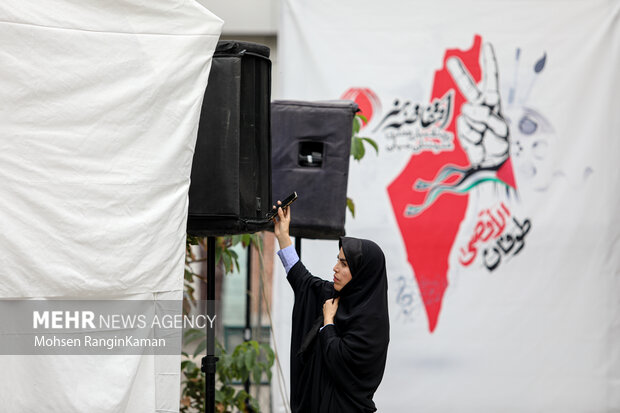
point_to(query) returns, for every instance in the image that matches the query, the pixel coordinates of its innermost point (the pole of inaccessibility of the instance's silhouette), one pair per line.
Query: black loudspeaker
(230, 191)
(311, 150)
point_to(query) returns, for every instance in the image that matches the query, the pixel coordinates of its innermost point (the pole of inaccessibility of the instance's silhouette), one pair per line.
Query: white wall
(246, 17)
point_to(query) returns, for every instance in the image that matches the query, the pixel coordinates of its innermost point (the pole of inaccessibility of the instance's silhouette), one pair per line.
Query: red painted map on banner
(430, 195)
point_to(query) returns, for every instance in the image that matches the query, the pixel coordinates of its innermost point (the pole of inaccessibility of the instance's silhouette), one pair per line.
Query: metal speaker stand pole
(209, 361)
(247, 332)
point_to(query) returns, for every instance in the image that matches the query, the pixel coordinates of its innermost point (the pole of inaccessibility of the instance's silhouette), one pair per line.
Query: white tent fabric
(100, 102)
(534, 328)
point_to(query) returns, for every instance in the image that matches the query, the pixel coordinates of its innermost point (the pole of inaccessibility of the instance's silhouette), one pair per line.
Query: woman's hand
(329, 310)
(281, 226)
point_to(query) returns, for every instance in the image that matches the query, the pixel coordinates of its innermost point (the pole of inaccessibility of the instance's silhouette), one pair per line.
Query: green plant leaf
(192, 334)
(250, 359)
(218, 255)
(254, 404)
(189, 274)
(351, 206)
(239, 361)
(257, 373)
(227, 261)
(372, 143)
(246, 239)
(357, 125)
(235, 259)
(191, 370)
(230, 392)
(201, 347)
(271, 355)
(192, 240)
(239, 401)
(190, 365)
(254, 345)
(357, 148)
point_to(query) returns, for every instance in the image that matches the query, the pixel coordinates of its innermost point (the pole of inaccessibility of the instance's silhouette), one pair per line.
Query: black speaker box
(311, 151)
(230, 191)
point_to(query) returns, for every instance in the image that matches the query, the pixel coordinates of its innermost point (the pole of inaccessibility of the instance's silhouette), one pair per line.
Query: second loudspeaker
(311, 146)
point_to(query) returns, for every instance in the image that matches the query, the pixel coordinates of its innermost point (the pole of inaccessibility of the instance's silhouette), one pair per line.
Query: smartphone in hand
(285, 203)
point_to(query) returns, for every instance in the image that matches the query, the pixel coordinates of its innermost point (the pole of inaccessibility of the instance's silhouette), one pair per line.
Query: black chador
(338, 369)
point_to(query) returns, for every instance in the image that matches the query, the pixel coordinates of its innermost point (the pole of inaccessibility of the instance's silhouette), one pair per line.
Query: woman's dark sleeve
(302, 281)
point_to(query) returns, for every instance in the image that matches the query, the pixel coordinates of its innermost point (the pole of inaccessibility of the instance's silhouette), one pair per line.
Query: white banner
(493, 193)
(99, 110)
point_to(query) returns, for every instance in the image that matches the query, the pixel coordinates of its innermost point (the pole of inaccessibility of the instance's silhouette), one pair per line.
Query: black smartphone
(287, 201)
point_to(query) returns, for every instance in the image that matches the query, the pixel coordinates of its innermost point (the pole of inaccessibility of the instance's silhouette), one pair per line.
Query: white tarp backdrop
(494, 193)
(99, 107)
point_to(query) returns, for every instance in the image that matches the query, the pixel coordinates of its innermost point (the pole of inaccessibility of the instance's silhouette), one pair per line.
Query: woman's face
(342, 272)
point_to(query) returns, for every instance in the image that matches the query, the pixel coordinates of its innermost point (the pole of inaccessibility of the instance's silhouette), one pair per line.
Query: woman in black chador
(340, 329)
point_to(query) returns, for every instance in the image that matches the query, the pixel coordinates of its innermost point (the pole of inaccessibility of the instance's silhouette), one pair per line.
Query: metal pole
(209, 361)
(247, 333)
